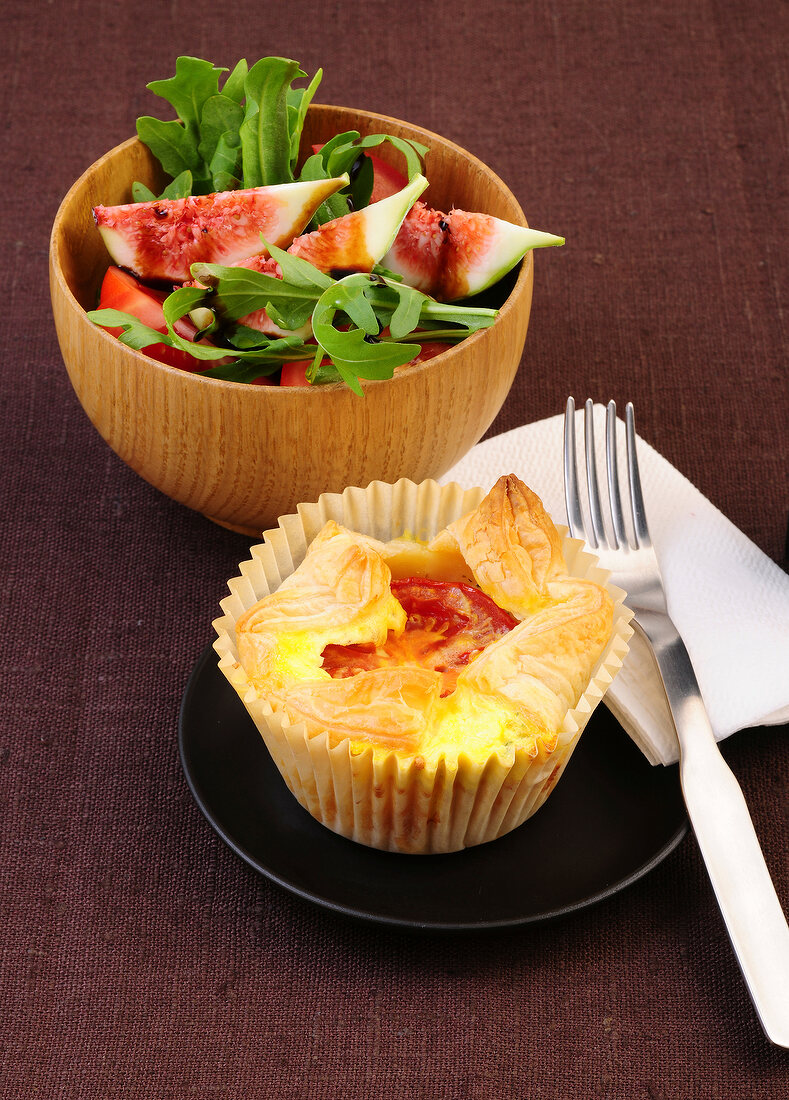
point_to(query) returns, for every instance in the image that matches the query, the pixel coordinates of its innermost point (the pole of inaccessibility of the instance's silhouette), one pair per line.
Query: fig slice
(454, 255)
(161, 239)
(357, 241)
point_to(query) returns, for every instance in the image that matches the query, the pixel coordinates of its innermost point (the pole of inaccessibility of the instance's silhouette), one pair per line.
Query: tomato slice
(430, 349)
(122, 291)
(294, 373)
(448, 624)
(386, 179)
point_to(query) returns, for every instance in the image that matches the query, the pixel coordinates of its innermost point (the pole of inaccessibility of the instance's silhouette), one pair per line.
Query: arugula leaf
(388, 296)
(322, 372)
(234, 85)
(362, 176)
(141, 193)
(269, 353)
(298, 272)
(348, 297)
(221, 117)
(336, 205)
(239, 292)
(413, 151)
(350, 352)
(139, 336)
(173, 146)
(407, 313)
(183, 301)
(247, 134)
(299, 100)
(315, 168)
(135, 334)
(180, 187)
(265, 135)
(344, 153)
(348, 137)
(225, 166)
(244, 338)
(246, 371)
(195, 81)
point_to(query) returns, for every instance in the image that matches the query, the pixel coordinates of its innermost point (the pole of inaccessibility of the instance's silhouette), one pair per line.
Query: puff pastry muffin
(423, 695)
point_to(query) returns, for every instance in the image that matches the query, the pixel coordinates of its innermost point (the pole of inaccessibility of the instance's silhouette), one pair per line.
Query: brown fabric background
(142, 958)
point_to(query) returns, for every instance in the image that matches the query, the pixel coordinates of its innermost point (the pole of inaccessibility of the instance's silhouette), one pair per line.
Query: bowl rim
(286, 393)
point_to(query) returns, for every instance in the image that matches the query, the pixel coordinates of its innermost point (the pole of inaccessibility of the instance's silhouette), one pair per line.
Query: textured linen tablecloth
(140, 957)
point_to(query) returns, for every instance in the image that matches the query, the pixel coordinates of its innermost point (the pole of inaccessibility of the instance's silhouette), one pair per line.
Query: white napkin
(729, 601)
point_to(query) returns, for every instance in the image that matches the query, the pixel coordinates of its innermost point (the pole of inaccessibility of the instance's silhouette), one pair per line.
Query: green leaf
(234, 85)
(298, 103)
(471, 318)
(345, 155)
(353, 355)
(349, 299)
(180, 187)
(386, 274)
(224, 181)
(316, 168)
(333, 207)
(185, 299)
(264, 358)
(336, 206)
(182, 301)
(239, 292)
(408, 312)
(265, 137)
(244, 337)
(320, 373)
(299, 272)
(245, 370)
(135, 334)
(141, 193)
(172, 145)
(221, 118)
(343, 151)
(194, 82)
(387, 296)
(225, 162)
(139, 336)
(413, 151)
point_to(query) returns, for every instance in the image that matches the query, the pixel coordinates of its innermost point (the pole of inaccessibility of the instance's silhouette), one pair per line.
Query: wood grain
(244, 455)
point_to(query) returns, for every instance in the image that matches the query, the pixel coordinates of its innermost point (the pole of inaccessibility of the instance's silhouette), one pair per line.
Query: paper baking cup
(388, 799)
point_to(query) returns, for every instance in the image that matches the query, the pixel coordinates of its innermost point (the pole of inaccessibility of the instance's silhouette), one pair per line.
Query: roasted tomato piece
(122, 291)
(448, 624)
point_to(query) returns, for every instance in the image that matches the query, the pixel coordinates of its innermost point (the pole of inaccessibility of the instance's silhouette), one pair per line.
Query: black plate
(612, 818)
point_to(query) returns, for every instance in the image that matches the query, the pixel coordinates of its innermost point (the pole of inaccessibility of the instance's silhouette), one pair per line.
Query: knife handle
(729, 846)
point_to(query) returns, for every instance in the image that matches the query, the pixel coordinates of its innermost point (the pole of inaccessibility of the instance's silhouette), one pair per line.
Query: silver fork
(716, 807)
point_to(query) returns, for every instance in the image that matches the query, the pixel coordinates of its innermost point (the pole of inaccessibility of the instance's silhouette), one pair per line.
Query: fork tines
(594, 532)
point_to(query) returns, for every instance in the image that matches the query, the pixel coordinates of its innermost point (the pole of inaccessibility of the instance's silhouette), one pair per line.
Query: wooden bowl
(245, 455)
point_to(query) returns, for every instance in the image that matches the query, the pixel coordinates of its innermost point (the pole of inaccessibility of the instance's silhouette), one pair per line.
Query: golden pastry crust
(513, 694)
(340, 594)
(511, 545)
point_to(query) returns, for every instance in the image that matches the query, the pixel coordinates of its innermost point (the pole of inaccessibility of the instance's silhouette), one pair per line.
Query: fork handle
(719, 815)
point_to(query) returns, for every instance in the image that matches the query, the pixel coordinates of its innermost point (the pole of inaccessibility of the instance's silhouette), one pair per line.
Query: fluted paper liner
(386, 799)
